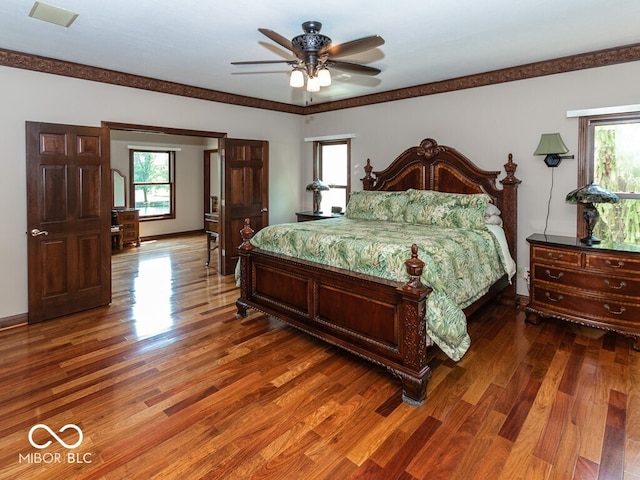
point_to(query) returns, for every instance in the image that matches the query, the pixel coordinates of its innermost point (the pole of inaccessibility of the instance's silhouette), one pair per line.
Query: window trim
(585, 150)
(317, 161)
(172, 183)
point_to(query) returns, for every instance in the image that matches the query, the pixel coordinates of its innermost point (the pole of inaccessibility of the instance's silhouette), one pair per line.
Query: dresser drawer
(555, 256)
(612, 263)
(612, 311)
(128, 217)
(599, 283)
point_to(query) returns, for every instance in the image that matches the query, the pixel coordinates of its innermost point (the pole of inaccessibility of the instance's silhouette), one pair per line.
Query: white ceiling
(194, 42)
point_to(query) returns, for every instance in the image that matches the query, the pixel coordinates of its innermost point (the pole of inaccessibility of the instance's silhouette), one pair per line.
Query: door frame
(170, 131)
(167, 131)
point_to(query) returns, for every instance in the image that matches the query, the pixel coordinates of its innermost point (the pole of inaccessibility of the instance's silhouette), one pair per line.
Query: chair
(116, 237)
(211, 229)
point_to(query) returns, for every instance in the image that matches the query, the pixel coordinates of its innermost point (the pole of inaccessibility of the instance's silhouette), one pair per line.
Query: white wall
(32, 96)
(486, 124)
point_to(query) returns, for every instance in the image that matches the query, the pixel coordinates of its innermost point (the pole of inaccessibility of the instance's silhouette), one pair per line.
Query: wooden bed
(380, 320)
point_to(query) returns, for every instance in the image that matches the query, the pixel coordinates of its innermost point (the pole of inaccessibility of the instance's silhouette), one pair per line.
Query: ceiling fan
(315, 54)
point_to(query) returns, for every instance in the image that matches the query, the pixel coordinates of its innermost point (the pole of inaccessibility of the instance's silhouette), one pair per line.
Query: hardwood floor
(167, 383)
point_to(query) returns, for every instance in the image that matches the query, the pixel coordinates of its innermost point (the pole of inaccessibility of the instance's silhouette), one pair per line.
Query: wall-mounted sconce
(552, 146)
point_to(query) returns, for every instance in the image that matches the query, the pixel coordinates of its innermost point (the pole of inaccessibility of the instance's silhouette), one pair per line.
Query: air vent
(51, 14)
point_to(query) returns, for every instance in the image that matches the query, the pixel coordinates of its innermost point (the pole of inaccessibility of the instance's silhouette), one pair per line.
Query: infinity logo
(60, 441)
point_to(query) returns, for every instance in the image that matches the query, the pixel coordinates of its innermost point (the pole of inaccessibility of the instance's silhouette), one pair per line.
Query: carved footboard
(379, 320)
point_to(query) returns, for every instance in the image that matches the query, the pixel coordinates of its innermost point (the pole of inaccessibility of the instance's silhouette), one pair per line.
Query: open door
(68, 219)
(245, 194)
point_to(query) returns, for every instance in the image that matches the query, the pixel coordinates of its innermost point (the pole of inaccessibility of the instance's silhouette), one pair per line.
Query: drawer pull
(550, 275)
(619, 312)
(551, 299)
(554, 257)
(620, 286)
(619, 265)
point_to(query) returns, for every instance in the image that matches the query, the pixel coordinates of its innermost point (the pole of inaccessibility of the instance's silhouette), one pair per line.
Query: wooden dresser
(129, 219)
(595, 285)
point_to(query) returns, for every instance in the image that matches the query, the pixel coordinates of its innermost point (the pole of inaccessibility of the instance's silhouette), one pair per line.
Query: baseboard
(14, 320)
(170, 235)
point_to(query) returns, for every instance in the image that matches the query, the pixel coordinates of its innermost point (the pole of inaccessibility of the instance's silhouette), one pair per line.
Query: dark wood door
(68, 219)
(245, 170)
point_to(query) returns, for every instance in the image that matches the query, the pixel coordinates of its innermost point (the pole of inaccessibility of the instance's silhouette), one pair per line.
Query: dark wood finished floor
(167, 383)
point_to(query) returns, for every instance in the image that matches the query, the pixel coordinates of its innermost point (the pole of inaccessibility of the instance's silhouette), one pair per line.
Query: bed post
(247, 234)
(416, 373)
(510, 218)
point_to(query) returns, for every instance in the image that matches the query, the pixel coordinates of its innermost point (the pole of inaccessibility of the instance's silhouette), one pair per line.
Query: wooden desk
(129, 220)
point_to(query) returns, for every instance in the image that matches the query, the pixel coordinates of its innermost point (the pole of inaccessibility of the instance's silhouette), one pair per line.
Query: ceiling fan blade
(354, 46)
(260, 62)
(280, 40)
(354, 67)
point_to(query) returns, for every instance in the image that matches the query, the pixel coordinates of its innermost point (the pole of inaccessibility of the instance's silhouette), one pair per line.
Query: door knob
(264, 210)
(36, 233)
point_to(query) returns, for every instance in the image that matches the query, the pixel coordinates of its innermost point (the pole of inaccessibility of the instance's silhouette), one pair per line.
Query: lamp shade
(317, 186)
(592, 193)
(297, 79)
(313, 85)
(324, 77)
(551, 143)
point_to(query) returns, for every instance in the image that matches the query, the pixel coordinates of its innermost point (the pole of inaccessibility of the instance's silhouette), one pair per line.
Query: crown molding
(10, 58)
(600, 58)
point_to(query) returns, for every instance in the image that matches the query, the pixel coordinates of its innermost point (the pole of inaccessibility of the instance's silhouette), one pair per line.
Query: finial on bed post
(510, 168)
(247, 234)
(368, 180)
(414, 268)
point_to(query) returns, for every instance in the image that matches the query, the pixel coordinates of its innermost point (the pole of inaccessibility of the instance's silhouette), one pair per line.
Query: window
(153, 185)
(332, 165)
(612, 158)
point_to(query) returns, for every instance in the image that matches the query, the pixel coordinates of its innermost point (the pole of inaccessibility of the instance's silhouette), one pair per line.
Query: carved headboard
(430, 166)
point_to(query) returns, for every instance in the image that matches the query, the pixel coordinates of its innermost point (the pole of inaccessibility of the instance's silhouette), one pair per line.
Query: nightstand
(597, 285)
(310, 216)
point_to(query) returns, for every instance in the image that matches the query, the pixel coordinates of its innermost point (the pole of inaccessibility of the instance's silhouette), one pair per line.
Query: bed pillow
(492, 210)
(373, 205)
(450, 210)
(492, 215)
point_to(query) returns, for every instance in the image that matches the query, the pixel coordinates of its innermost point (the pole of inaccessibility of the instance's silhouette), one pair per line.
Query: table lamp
(587, 196)
(316, 187)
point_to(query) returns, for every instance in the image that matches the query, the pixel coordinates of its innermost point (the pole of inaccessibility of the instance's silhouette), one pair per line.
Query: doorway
(240, 179)
(93, 146)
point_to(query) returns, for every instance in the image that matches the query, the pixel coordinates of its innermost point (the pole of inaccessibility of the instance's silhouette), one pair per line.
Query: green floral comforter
(460, 264)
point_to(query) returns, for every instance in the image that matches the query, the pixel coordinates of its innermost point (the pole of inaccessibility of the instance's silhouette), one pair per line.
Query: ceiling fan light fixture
(324, 77)
(314, 56)
(297, 78)
(313, 85)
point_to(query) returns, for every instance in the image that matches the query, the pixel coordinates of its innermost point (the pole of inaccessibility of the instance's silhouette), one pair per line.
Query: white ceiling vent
(51, 14)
